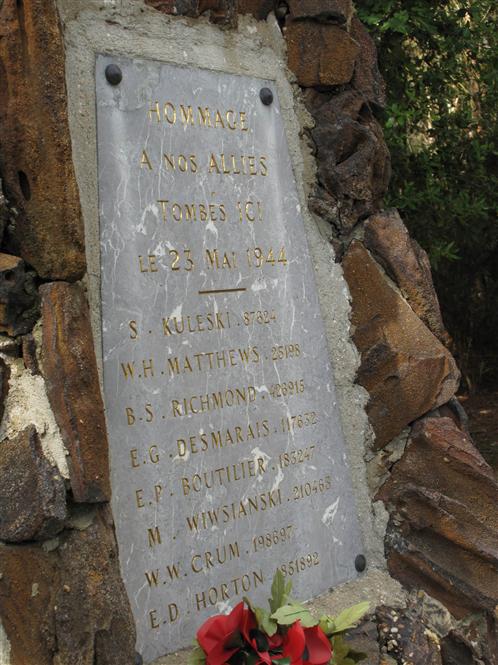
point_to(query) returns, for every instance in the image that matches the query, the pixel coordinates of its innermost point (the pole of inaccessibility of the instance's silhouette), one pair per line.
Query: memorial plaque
(227, 457)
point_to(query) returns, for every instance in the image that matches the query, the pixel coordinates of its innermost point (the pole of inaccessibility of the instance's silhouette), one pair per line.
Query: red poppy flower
(221, 636)
(294, 643)
(318, 650)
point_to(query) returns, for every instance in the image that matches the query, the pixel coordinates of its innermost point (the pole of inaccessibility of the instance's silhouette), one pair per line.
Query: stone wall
(61, 597)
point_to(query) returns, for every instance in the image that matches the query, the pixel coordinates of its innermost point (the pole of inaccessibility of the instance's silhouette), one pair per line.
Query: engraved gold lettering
(213, 401)
(139, 498)
(133, 329)
(170, 113)
(187, 115)
(229, 589)
(155, 111)
(231, 512)
(154, 536)
(154, 623)
(145, 161)
(134, 458)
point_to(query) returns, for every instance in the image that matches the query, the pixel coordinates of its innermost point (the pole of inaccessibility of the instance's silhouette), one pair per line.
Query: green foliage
(347, 619)
(289, 614)
(440, 62)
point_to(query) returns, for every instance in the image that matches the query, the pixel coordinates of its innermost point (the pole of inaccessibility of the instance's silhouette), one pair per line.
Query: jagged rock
(66, 605)
(180, 7)
(323, 11)
(406, 639)
(320, 54)
(93, 621)
(4, 385)
(70, 371)
(29, 354)
(405, 369)
(28, 574)
(367, 78)
(352, 157)
(35, 145)
(258, 8)
(363, 639)
(32, 492)
(19, 302)
(222, 11)
(442, 497)
(406, 262)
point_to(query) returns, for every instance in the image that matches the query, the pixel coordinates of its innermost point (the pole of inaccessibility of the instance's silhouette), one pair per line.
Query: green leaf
(288, 614)
(268, 625)
(265, 622)
(279, 591)
(348, 618)
(342, 654)
(197, 655)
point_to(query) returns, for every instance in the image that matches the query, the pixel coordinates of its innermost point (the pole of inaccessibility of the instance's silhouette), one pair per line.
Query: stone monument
(227, 456)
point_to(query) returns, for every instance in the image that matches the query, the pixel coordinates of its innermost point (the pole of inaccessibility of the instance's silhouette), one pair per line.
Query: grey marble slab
(227, 457)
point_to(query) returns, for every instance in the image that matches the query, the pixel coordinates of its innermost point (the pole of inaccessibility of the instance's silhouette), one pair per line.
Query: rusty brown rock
(67, 606)
(258, 8)
(408, 265)
(323, 11)
(405, 369)
(405, 637)
(4, 385)
(354, 165)
(442, 537)
(19, 301)
(70, 371)
(93, 621)
(29, 354)
(32, 492)
(320, 54)
(35, 145)
(26, 603)
(367, 78)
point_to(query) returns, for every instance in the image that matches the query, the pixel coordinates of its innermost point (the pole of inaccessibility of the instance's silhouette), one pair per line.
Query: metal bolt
(113, 74)
(138, 659)
(360, 563)
(266, 96)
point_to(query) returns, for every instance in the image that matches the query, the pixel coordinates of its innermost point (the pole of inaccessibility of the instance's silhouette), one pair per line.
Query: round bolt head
(360, 563)
(113, 74)
(266, 96)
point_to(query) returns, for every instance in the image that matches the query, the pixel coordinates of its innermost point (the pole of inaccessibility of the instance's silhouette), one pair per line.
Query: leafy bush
(440, 62)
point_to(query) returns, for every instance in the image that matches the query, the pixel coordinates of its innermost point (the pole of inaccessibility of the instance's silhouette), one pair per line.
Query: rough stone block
(258, 8)
(367, 78)
(354, 165)
(28, 574)
(405, 369)
(35, 145)
(70, 371)
(405, 637)
(4, 385)
(19, 302)
(442, 538)
(66, 605)
(408, 265)
(320, 54)
(93, 620)
(32, 493)
(323, 11)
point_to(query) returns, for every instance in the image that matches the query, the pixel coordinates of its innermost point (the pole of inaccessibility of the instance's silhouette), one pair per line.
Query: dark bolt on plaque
(113, 74)
(360, 563)
(138, 659)
(266, 96)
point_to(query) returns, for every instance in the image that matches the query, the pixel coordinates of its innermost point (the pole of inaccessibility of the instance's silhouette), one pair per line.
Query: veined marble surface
(227, 457)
